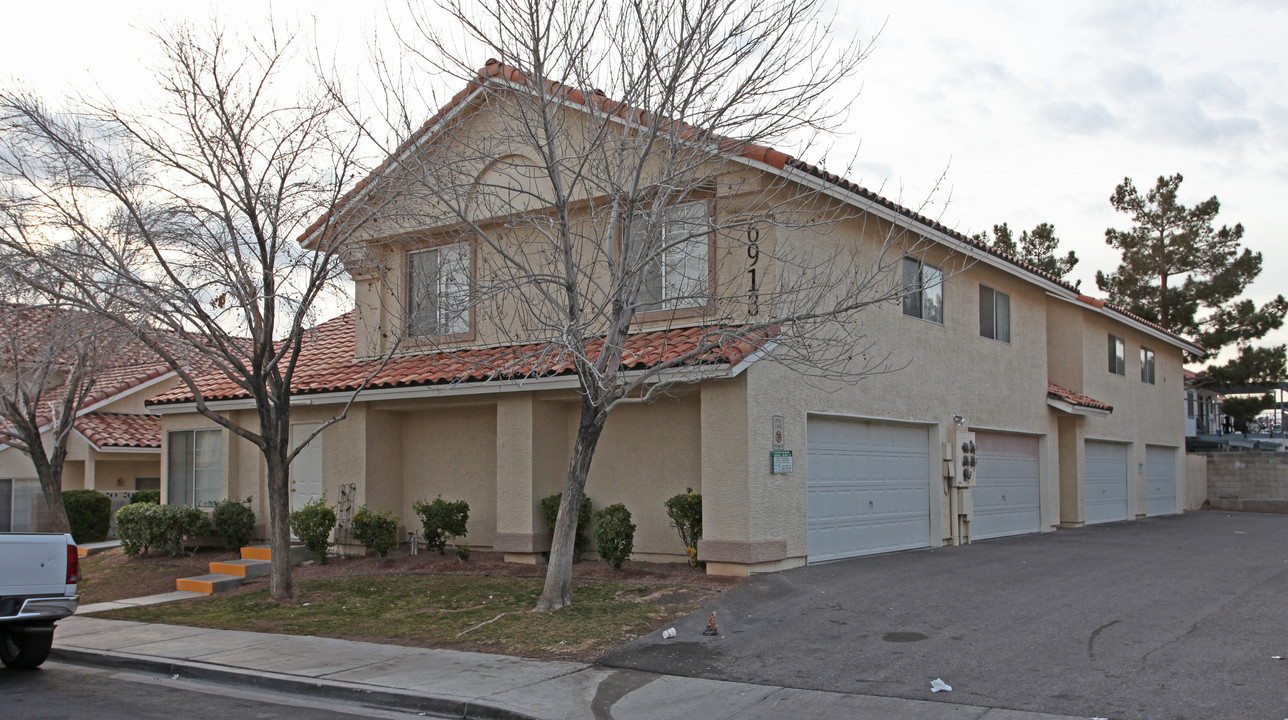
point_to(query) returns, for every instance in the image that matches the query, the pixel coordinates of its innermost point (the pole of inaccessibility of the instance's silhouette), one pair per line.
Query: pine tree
(1037, 248)
(1182, 272)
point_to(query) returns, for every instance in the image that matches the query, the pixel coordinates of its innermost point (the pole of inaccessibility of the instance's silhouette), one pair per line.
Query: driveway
(1174, 617)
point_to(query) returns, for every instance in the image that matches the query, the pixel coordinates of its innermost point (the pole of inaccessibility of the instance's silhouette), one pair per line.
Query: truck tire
(21, 650)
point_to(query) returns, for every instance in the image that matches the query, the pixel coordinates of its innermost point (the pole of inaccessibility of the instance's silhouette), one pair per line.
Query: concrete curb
(385, 698)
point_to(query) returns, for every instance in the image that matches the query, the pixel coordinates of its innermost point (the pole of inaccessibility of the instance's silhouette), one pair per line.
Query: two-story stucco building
(1071, 403)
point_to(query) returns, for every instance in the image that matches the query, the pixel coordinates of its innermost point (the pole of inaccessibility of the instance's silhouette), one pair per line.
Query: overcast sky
(1031, 112)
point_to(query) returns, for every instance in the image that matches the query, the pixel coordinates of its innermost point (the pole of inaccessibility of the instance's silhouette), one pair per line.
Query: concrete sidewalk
(470, 685)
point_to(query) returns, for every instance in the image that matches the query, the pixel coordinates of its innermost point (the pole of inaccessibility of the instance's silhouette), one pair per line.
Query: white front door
(306, 469)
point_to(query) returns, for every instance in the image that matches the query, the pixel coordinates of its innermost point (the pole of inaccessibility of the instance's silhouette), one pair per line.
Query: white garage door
(867, 488)
(1006, 494)
(1106, 470)
(1160, 480)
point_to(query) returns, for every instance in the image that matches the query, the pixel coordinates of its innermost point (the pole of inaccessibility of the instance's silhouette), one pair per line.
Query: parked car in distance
(38, 576)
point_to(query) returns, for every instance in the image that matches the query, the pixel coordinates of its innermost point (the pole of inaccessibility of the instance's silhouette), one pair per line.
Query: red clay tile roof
(1076, 399)
(124, 430)
(759, 153)
(327, 361)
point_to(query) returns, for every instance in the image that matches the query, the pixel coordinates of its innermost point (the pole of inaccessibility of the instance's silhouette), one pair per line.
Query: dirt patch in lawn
(431, 600)
(488, 563)
(111, 575)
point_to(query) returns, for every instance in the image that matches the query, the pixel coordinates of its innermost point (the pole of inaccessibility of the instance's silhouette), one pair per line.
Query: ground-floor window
(195, 467)
(22, 506)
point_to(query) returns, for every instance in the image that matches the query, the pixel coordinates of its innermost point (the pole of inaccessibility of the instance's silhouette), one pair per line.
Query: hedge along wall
(1249, 481)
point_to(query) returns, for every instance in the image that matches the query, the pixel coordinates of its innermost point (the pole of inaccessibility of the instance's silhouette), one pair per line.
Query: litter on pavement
(668, 633)
(712, 629)
(938, 685)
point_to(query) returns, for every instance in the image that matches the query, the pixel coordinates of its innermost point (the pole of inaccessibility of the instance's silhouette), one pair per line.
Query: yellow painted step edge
(190, 585)
(219, 568)
(254, 553)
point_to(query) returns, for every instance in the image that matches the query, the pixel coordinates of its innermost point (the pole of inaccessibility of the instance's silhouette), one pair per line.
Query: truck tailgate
(33, 564)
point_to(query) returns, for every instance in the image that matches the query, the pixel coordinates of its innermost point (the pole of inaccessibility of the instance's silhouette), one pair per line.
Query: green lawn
(466, 612)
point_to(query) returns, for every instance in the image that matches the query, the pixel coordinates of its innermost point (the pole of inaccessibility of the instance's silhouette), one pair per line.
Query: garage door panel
(1105, 469)
(1160, 480)
(867, 488)
(1007, 493)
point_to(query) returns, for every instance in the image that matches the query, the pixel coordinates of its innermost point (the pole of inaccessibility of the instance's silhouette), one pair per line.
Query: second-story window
(1117, 355)
(923, 291)
(676, 275)
(1147, 365)
(438, 295)
(994, 314)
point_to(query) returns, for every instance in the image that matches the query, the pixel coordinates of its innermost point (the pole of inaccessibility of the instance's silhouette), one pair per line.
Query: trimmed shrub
(146, 496)
(377, 530)
(89, 512)
(550, 511)
(313, 524)
(614, 535)
(462, 552)
(685, 511)
(442, 521)
(234, 522)
(144, 527)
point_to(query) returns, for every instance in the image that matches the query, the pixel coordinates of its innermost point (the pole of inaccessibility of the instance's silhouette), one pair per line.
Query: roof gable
(496, 74)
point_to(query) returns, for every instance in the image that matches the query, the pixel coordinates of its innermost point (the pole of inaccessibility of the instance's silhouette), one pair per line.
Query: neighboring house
(1072, 403)
(115, 445)
(1202, 408)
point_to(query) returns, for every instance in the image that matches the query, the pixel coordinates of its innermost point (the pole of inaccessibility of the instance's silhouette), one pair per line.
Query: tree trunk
(279, 522)
(558, 590)
(52, 488)
(50, 473)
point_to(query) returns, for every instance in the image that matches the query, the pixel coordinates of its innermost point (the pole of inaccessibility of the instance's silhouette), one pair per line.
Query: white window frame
(923, 290)
(1117, 355)
(994, 314)
(678, 275)
(204, 463)
(1148, 363)
(438, 303)
(36, 513)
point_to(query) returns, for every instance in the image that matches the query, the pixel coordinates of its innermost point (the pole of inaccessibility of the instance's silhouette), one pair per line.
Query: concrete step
(212, 583)
(87, 549)
(242, 568)
(299, 553)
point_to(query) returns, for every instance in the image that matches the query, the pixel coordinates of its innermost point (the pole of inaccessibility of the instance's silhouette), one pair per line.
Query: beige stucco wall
(1196, 480)
(451, 452)
(647, 454)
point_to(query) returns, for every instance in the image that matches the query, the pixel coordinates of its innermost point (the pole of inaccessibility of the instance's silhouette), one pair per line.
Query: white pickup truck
(38, 576)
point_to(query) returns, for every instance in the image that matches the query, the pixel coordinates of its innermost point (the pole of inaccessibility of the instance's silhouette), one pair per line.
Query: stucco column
(90, 470)
(531, 460)
(726, 493)
(1072, 462)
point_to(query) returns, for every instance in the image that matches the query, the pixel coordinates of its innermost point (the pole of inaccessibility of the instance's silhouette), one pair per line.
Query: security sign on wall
(780, 462)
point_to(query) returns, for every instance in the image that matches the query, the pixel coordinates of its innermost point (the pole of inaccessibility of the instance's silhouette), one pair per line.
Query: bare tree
(47, 371)
(610, 171)
(181, 223)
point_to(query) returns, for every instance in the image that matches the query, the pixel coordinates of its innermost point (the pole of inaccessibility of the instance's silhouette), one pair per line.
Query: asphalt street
(1175, 617)
(60, 691)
